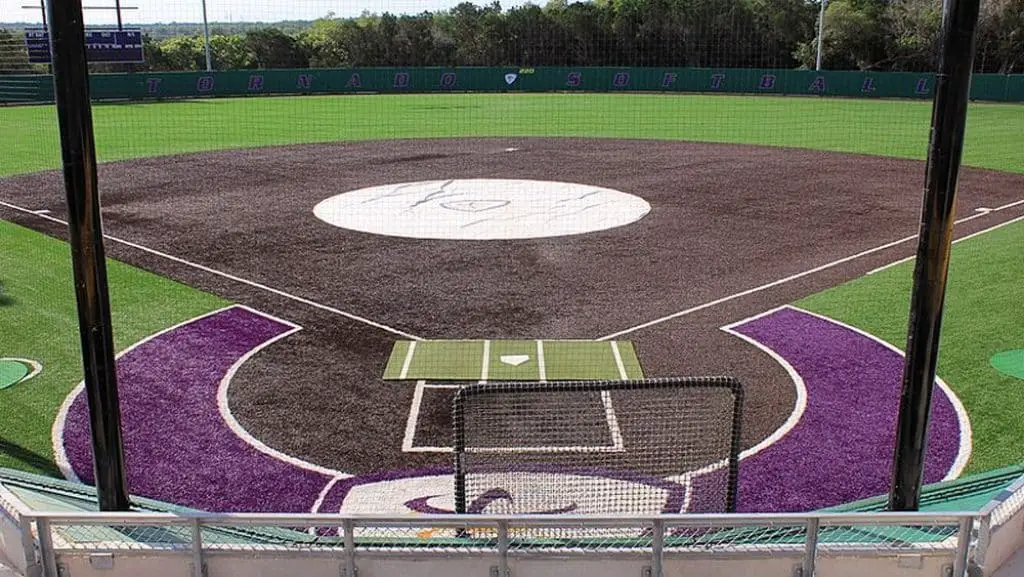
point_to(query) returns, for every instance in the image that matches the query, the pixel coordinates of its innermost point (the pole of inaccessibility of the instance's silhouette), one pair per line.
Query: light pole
(821, 33)
(206, 39)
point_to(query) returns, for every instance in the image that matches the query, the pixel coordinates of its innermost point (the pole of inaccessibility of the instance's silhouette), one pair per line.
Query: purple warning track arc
(178, 448)
(841, 448)
(182, 446)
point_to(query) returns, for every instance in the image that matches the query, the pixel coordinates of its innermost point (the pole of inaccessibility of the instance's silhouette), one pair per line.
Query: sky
(152, 11)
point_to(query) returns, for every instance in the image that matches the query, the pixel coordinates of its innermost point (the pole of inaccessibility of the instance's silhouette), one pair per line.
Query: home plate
(514, 360)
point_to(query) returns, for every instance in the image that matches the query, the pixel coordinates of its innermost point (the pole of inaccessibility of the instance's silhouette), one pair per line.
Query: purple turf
(177, 447)
(841, 450)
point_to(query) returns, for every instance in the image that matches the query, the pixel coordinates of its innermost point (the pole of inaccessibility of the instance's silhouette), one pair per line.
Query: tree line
(858, 35)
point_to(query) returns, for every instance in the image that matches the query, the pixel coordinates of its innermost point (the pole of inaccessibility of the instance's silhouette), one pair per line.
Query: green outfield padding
(513, 360)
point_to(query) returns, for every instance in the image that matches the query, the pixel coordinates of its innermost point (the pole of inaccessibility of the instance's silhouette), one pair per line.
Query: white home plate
(482, 209)
(514, 360)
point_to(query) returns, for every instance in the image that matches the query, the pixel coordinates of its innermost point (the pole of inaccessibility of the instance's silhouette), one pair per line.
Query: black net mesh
(600, 447)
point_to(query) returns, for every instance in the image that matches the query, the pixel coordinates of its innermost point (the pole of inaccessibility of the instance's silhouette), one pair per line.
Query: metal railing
(805, 536)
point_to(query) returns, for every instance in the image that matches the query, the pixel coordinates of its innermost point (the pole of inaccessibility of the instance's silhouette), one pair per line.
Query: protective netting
(600, 447)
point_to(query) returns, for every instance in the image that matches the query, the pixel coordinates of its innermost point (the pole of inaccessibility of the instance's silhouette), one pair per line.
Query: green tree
(912, 34)
(14, 54)
(229, 52)
(272, 48)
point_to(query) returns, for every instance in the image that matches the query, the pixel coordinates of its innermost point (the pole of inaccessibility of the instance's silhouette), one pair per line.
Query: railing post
(963, 544)
(503, 549)
(810, 547)
(349, 535)
(33, 565)
(984, 538)
(46, 548)
(657, 547)
(197, 549)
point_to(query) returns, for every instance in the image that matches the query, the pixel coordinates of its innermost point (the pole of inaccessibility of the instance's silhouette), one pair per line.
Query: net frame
(463, 394)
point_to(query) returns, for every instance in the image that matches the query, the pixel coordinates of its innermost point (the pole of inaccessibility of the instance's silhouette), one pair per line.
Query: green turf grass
(39, 322)
(451, 360)
(881, 127)
(983, 315)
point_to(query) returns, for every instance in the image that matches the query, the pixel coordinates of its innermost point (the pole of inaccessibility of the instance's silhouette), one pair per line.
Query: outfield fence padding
(16, 89)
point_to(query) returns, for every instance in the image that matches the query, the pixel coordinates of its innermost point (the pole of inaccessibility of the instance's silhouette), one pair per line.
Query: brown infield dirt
(724, 219)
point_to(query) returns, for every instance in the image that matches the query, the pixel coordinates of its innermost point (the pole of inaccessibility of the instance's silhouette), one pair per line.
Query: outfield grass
(39, 322)
(881, 127)
(984, 315)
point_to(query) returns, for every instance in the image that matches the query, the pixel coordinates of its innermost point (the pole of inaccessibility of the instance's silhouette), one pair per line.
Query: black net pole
(949, 115)
(71, 85)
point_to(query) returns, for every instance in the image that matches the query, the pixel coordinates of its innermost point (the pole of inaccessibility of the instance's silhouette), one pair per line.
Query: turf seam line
(791, 278)
(229, 276)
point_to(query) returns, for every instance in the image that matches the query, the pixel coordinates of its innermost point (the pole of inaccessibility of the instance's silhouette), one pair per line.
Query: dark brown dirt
(724, 219)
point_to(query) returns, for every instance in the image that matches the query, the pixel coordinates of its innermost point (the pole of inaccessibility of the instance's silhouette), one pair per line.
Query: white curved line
(964, 421)
(799, 407)
(801, 388)
(322, 496)
(37, 367)
(241, 432)
(57, 431)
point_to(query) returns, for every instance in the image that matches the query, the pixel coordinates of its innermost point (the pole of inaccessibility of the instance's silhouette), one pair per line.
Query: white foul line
(232, 277)
(542, 371)
(410, 425)
(485, 365)
(790, 278)
(606, 400)
(408, 361)
(972, 235)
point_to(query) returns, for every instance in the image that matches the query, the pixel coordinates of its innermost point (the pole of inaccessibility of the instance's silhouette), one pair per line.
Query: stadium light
(821, 33)
(206, 39)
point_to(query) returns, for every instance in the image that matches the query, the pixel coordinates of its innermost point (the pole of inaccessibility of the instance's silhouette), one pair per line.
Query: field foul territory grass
(513, 360)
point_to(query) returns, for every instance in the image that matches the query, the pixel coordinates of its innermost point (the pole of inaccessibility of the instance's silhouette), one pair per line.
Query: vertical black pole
(949, 114)
(71, 86)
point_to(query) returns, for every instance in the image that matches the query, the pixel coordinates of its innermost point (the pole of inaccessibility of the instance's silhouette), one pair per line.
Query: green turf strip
(513, 360)
(39, 321)
(880, 127)
(983, 316)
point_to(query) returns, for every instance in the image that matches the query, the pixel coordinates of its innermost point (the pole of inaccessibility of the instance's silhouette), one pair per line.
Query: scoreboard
(101, 45)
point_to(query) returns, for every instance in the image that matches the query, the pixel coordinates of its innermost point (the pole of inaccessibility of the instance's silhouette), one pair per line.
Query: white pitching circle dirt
(482, 209)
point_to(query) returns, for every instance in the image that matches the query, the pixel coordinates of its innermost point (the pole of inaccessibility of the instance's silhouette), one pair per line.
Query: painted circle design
(14, 371)
(482, 209)
(1009, 363)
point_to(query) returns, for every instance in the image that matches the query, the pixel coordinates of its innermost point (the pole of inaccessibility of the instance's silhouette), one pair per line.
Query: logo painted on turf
(430, 492)
(14, 371)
